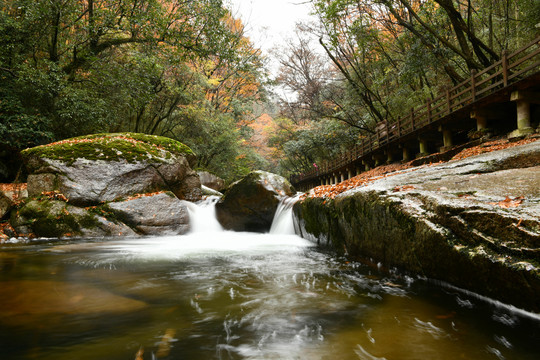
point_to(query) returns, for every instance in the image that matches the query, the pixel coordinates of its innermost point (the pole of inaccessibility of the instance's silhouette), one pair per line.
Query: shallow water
(224, 295)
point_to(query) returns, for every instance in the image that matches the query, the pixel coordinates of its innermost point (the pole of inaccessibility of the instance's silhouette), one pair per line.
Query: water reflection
(237, 296)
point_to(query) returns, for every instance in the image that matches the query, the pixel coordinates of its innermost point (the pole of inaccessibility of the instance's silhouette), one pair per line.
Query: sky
(269, 22)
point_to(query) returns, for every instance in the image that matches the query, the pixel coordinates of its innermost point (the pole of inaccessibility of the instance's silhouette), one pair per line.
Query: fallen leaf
(509, 202)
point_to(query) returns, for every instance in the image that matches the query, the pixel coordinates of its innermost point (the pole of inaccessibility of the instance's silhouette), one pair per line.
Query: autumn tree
(70, 67)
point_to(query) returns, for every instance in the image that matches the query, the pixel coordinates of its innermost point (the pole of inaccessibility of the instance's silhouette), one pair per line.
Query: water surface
(225, 295)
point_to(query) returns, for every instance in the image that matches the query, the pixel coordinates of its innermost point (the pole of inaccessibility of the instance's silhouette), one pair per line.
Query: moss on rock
(130, 147)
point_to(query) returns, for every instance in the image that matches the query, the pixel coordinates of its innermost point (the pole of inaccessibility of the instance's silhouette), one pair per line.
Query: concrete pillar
(447, 138)
(358, 170)
(406, 154)
(350, 173)
(481, 119)
(335, 179)
(523, 101)
(423, 147)
(342, 176)
(389, 157)
(366, 165)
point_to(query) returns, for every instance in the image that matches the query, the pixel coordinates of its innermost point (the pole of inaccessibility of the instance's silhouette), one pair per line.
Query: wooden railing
(510, 69)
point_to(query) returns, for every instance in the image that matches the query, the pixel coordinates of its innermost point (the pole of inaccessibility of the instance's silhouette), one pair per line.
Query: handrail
(500, 75)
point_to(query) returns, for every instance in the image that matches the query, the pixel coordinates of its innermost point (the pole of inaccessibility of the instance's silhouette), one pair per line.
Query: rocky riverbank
(474, 222)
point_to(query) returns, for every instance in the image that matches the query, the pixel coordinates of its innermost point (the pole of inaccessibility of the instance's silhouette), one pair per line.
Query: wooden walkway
(516, 71)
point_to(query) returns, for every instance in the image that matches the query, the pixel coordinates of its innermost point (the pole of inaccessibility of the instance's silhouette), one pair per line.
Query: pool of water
(225, 295)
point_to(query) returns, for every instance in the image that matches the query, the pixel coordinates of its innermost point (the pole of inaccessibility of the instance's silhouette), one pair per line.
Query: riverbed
(226, 295)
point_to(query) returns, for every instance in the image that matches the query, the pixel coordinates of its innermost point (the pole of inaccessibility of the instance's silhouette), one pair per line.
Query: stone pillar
(447, 138)
(366, 165)
(523, 101)
(406, 154)
(481, 119)
(423, 147)
(389, 157)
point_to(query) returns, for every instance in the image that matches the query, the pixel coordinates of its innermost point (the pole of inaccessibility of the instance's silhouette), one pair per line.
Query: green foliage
(69, 68)
(389, 56)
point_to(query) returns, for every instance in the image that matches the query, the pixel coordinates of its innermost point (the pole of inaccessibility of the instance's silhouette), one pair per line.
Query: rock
(250, 203)
(474, 223)
(55, 218)
(105, 167)
(57, 297)
(212, 181)
(206, 191)
(5, 205)
(157, 214)
(9, 195)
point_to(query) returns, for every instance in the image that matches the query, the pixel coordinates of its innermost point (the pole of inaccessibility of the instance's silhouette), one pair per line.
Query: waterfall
(283, 219)
(202, 216)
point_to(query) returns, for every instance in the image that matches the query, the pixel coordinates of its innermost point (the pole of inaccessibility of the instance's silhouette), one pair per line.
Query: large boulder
(156, 214)
(250, 203)
(54, 217)
(473, 223)
(98, 168)
(212, 181)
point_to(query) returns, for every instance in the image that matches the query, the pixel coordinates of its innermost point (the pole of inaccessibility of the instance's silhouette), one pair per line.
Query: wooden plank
(523, 71)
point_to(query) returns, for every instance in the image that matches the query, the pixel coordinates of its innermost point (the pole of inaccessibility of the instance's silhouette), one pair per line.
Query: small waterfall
(202, 216)
(283, 219)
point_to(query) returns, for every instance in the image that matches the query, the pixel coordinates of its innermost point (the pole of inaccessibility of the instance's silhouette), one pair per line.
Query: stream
(215, 294)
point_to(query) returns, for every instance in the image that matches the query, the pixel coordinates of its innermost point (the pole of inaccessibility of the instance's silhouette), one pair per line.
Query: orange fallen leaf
(509, 202)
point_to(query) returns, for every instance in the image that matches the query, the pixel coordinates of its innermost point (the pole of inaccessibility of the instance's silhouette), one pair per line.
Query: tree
(70, 67)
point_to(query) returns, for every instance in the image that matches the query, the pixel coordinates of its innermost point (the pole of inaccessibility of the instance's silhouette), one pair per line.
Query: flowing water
(223, 295)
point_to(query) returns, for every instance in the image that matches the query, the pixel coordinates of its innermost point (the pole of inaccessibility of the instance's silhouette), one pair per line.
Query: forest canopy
(363, 62)
(182, 69)
(187, 70)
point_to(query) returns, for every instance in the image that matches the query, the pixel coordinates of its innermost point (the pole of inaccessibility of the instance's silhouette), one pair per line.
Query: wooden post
(412, 119)
(448, 105)
(399, 127)
(505, 67)
(473, 84)
(429, 111)
(387, 131)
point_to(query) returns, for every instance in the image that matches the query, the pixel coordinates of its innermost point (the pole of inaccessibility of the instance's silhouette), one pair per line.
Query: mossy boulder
(250, 203)
(45, 217)
(105, 167)
(473, 223)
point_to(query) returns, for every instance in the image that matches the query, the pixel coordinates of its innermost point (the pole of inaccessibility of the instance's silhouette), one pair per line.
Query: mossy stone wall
(366, 225)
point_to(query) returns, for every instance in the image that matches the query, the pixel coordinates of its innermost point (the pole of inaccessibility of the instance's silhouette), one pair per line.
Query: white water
(207, 237)
(202, 216)
(283, 219)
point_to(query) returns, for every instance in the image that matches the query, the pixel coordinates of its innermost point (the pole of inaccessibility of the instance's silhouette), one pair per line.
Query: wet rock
(57, 297)
(157, 214)
(250, 203)
(55, 218)
(206, 191)
(474, 223)
(10, 194)
(212, 181)
(5, 205)
(105, 167)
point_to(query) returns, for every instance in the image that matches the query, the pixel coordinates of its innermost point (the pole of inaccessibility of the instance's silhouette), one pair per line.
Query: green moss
(49, 218)
(131, 147)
